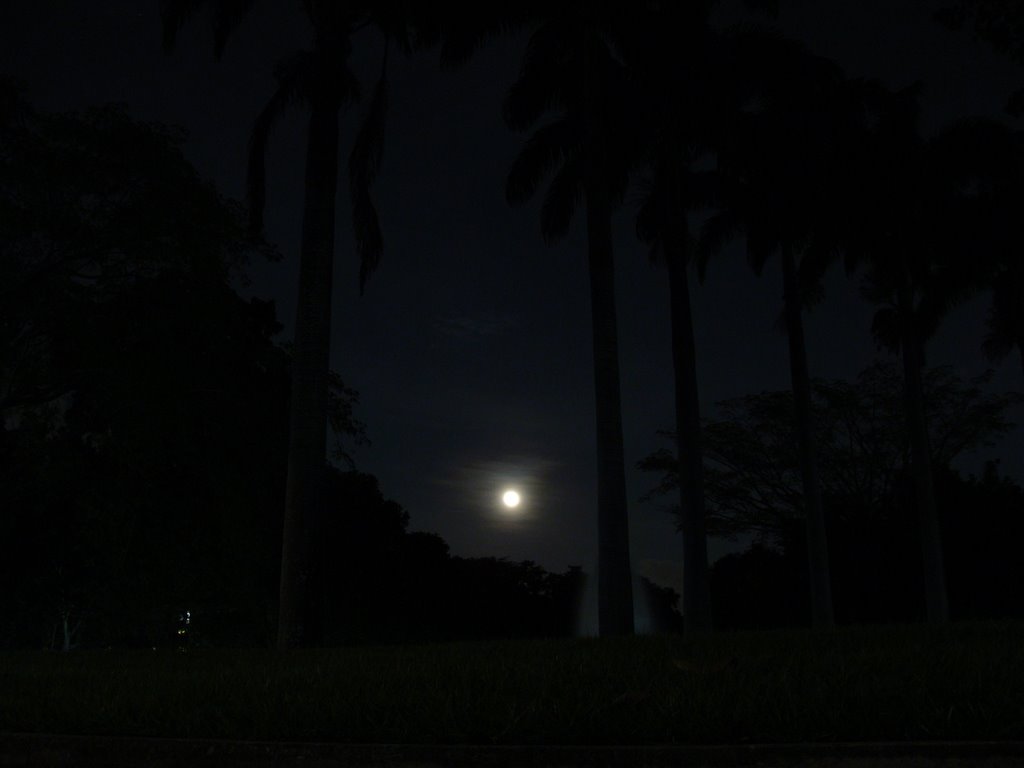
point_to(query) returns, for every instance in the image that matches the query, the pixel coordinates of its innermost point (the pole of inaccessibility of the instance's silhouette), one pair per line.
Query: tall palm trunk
(614, 575)
(817, 540)
(614, 585)
(696, 584)
(936, 605)
(307, 434)
(1020, 348)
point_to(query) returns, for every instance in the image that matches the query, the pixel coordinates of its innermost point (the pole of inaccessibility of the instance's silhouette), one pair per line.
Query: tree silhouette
(321, 80)
(1001, 24)
(129, 371)
(998, 22)
(674, 61)
(571, 66)
(754, 483)
(379, 583)
(983, 517)
(912, 234)
(782, 171)
(692, 80)
(766, 587)
(987, 161)
(760, 588)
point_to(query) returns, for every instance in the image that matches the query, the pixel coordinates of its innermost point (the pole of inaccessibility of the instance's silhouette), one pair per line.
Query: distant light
(510, 499)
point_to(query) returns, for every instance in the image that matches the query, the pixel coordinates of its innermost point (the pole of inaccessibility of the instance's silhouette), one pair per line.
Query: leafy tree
(321, 80)
(169, 461)
(86, 204)
(131, 371)
(753, 468)
(981, 520)
(1000, 23)
(92, 205)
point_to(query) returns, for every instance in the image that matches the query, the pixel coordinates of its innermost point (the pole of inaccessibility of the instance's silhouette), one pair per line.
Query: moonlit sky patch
(471, 492)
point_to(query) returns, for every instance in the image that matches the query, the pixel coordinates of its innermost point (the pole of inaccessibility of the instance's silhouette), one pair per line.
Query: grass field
(964, 681)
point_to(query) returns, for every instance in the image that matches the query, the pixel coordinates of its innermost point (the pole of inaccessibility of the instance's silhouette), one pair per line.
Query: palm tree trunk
(696, 583)
(936, 604)
(1020, 348)
(817, 540)
(614, 575)
(307, 434)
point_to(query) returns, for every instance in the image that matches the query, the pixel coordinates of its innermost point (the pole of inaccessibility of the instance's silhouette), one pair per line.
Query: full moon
(510, 499)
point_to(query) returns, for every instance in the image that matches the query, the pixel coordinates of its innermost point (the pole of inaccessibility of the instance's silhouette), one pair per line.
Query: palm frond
(528, 100)
(364, 162)
(562, 199)
(885, 327)
(548, 147)
(649, 217)
(174, 14)
(547, 48)
(814, 263)
(653, 212)
(876, 287)
(703, 188)
(541, 85)
(761, 244)
(717, 231)
(288, 93)
(467, 29)
(227, 14)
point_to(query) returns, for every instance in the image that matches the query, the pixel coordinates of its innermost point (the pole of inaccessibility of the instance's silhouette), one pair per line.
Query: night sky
(471, 347)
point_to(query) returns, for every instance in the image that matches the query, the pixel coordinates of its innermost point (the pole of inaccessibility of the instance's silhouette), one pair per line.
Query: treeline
(876, 561)
(753, 487)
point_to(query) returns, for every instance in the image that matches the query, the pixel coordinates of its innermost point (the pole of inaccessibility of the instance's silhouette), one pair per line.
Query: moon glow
(510, 499)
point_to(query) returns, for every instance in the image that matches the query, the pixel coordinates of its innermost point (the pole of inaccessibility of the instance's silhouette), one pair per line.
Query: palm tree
(919, 241)
(673, 60)
(781, 171)
(662, 223)
(685, 71)
(321, 80)
(571, 64)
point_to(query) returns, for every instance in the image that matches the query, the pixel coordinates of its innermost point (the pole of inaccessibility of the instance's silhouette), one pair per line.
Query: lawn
(909, 682)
